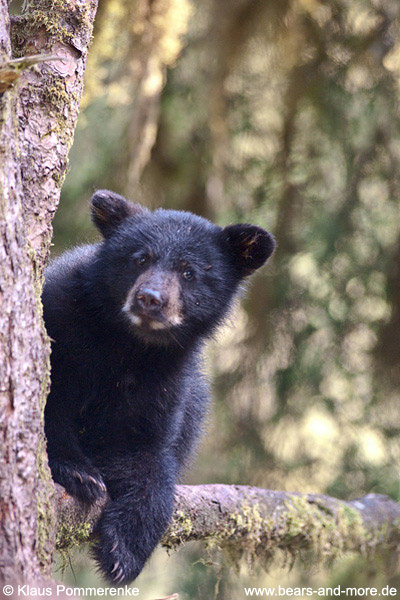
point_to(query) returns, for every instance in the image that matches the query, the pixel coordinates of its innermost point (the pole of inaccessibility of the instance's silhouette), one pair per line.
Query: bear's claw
(78, 481)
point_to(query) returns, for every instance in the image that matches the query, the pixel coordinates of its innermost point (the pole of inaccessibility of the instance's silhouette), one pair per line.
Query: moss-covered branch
(255, 522)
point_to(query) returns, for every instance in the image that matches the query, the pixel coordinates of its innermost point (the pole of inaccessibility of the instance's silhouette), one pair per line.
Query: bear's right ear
(109, 210)
(250, 245)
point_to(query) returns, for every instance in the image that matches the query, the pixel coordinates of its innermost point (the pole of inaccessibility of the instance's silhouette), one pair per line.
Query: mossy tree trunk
(38, 111)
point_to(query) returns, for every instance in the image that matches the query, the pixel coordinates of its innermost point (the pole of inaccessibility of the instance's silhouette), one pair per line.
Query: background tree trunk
(37, 118)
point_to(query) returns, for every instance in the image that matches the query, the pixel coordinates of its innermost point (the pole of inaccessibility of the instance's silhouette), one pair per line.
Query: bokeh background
(282, 113)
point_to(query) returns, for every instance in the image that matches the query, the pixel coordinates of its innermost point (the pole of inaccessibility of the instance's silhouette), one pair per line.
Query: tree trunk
(38, 111)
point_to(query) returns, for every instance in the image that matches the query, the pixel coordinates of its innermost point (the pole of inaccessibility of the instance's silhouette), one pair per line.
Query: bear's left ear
(110, 209)
(250, 245)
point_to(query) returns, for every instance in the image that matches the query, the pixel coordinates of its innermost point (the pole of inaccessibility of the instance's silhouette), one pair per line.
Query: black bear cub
(127, 318)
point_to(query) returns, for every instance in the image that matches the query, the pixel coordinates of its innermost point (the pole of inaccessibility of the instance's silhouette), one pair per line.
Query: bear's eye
(188, 274)
(142, 260)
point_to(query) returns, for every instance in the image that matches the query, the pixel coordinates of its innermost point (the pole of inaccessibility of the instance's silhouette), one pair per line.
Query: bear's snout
(154, 301)
(148, 299)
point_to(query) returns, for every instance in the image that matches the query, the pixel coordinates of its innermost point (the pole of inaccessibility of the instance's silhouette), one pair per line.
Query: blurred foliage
(284, 114)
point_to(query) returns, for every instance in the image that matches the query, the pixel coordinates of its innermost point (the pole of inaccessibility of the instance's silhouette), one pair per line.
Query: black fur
(127, 318)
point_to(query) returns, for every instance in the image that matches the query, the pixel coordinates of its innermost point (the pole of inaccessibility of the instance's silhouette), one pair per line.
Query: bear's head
(171, 275)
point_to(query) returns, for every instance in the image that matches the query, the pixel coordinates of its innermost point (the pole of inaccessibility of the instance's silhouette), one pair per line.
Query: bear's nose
(147, 298)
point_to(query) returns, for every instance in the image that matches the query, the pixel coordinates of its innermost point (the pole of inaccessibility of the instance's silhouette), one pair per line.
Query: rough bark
(49, 105)
(37, 120)
(255, 523)
(21, 357)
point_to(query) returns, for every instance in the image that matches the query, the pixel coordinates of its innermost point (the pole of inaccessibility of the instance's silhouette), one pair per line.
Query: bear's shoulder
(67, 266)
(63, 279)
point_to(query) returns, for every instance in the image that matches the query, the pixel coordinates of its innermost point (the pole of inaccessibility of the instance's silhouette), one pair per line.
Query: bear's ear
(251, 246)
(110, 209)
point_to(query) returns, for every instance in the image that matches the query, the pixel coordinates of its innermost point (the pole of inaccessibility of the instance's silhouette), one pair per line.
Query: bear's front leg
(69, 466)
(141, 489)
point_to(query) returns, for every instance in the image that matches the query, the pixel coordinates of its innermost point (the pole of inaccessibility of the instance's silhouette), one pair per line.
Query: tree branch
(253, 522)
